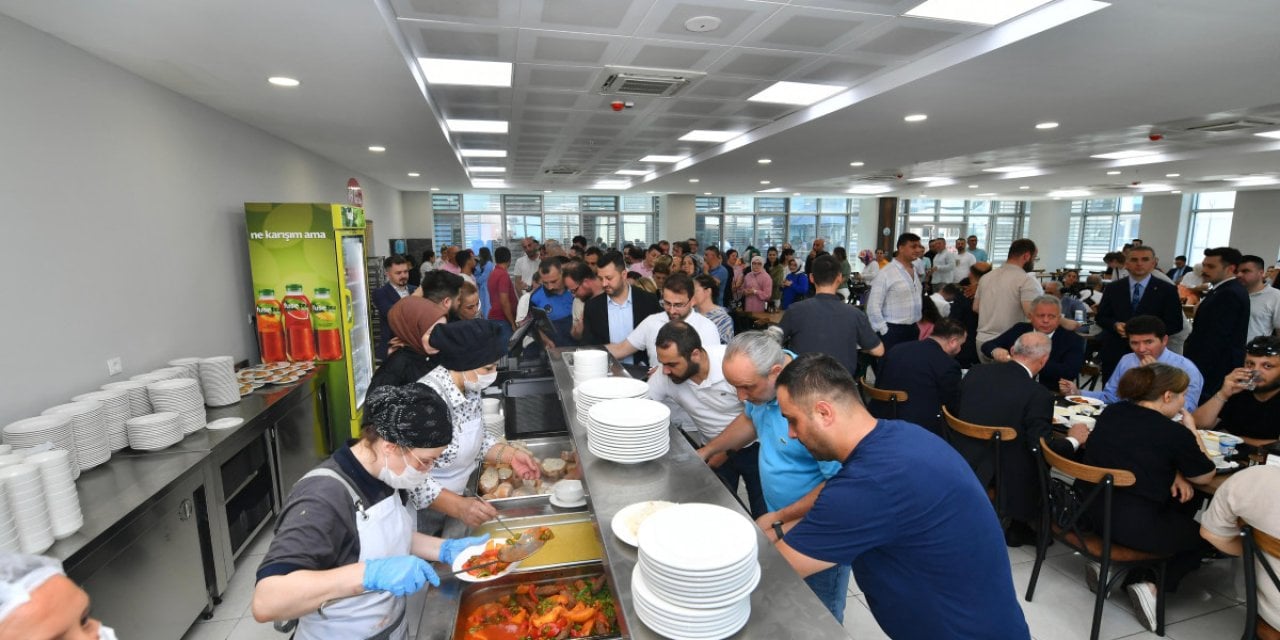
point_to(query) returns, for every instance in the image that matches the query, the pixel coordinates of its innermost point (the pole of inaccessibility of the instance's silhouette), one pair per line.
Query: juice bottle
(270, 326)
(297, 324)
(324, 313)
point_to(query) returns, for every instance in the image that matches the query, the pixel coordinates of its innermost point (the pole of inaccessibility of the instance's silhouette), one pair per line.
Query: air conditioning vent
(875, 178)
(1235, 124)
(561, 170)
(653, 83)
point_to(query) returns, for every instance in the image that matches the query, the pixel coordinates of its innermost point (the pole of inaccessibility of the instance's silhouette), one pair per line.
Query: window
(520, 227)
(835, 230)
(739, 232)
(739, 204)
(801, 230)
(560, 227)
(447, 230)
(708, 204)
(706, 231)
(637, 204)
(560, 204)
(771, 205)
(804, 205)
(1210, 222)
(767, 225)
(1099, 226)
(482, 202)
(448, 202)
(996, 223)
(598, 203)
(638, 230)
(481, 230)
(600, 229)
(513, 204)
(771, 231)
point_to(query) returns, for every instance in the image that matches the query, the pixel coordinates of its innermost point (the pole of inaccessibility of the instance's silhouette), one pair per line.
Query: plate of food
(1093, 402)
(626, 523)
(499, 556)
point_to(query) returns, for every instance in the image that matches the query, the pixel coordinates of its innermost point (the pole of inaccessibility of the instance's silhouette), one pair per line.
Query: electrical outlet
(115, 366)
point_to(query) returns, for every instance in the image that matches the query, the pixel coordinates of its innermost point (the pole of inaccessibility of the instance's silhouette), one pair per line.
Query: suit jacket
(384, 298)
(1159, 299)
(595, 318)
(930, 377)
(1003, 395)
(1065, 359)
(1219, 333)
(1176, 273)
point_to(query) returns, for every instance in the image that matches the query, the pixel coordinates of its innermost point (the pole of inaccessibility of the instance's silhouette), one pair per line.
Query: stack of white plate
(33, 432)
(10, 459)
(181, 397)
(116, 410)
(192, 365)
(9, 542)
(591, 392)
(589, 364)
(24, 491)
(695, 571)
(154, 431)
(60, 496)
(218, 381)
(90, 433)
(629, 430)
(495, 425)
(139, 403)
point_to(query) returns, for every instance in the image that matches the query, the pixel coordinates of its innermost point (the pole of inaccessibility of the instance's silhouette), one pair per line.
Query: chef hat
(20, 574)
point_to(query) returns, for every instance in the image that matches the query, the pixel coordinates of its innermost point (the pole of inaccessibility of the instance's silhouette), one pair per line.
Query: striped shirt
(895, 298)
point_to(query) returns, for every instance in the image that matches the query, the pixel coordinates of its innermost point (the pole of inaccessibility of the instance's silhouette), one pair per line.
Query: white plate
(1084, 400)
(630, 412)
(225, 423)
(710, 596)
(467, 554)
(567, 505)
(626, 522)
(677, 537)
(682, 622)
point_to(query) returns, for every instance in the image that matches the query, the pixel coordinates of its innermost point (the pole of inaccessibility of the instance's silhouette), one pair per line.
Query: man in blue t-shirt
(556, 300)
(905, 510)
(714, 266)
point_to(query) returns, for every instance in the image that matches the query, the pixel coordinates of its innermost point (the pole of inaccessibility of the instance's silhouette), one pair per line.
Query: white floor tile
(859, 622)
(238, 596)
(215, 630)
(1224, 624)
(260, 544)
(1063, 607)
(250, 629)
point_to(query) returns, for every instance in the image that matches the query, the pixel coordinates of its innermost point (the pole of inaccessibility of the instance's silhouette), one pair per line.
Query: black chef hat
(412, 415)
(467, 344)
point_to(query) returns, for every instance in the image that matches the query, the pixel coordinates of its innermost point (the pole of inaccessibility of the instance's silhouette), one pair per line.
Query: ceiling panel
(560, 47)
(490, 12)
(465, 42)
(667, 18)
(615, 17)
(544, 77)
(905, 41)
(758, 63)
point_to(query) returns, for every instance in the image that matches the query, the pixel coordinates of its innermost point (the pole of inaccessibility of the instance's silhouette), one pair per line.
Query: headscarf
(866, 256)
(411, 318)
(20, 574)
(467, 344)
(411, 415)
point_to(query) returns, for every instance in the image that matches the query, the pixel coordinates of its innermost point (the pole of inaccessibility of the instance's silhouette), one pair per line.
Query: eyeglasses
(425, 464)
(670, 305)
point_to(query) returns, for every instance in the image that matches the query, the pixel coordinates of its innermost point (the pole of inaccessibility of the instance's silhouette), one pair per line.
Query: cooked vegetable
(558, 610)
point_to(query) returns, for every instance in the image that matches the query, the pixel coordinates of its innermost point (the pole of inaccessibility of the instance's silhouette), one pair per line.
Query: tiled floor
(1208, 605)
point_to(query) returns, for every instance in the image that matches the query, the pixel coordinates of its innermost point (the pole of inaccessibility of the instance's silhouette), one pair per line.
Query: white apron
(385, 530)
(454, 476)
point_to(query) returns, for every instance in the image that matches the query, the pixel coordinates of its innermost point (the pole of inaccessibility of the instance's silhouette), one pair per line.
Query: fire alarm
(1155, 137)
(618, 105)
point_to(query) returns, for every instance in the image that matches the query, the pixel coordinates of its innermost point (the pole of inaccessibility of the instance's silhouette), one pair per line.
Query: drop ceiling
(1111, 78)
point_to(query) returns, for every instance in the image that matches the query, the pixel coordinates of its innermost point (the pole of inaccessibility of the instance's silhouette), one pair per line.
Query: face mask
(482, 382)
(106, 633)
(410, 478)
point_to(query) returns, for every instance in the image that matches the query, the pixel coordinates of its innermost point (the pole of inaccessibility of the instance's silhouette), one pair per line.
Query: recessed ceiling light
(796, 193)
(377, 149)
(1009, 169)
(763, 161)
(1047, 125)
(1154, 187)
(476, 126)
(1024, 187)
(487, 169)
(797, 93)
(475, 73)
(973, 186)
(916, 117)
(1069, 193)
(612, 184)
(707, 135)
(632, 172)
(772, 190)
(282, 81)
(1172, 175)
(1255, 181)
(1269, 134)
(1114, 173)
(551, 191)
(986, 195)
(488, 183)
(870, 189)
(483, 153)
(765, 182)
(662, 158)
(1125, 155)
(694, 180)
(1175, 192)
(414, 174)
(925, 179)
(706, 193)
(857, 164)
(435, 188)
(974, 11)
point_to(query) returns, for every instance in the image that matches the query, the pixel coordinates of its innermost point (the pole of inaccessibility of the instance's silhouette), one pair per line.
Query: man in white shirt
(964, 260)
(1264, 301)
(1004, 296)
(526, 265)
(677, 302)
(690, 376)
(944, 266)
(894, 304)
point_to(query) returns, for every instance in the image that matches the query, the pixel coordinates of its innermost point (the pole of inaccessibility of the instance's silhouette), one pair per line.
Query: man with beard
(1004, 296)
(1251, 413)
(677, 304)
(526, 265)
(612, 317)
(1221, 326)
(386, 296)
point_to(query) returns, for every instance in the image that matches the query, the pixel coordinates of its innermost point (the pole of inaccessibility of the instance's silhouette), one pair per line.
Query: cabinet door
(299, 444)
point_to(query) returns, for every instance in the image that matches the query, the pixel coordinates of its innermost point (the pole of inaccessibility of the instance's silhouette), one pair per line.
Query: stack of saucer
(591, 392)
(33, 432)
(629, 430)
(181, 397)
(116, 410)
(60, 495)
(192, 365)
(696, 569)
(24, 492)
(155, 431)
(90, 434)
(218, 381)
(139, 403)
(589, 364)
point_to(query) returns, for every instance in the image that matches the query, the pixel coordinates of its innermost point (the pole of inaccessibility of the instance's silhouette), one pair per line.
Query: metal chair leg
(1100, 600)
(1160, 599)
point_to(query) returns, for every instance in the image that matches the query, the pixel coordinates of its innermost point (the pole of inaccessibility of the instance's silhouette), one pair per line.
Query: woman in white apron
(345, 529)
(468, 353)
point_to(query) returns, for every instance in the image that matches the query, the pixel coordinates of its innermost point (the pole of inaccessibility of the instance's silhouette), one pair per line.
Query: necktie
(1137, 294)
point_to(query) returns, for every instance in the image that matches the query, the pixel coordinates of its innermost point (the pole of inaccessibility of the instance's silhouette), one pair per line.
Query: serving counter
(782, 606)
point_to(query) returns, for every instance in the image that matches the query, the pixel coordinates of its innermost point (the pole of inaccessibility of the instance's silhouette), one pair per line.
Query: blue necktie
(1137, 295)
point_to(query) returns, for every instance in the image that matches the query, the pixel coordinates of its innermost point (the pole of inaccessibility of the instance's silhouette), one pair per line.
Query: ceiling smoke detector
(638, 81)
(702, 24)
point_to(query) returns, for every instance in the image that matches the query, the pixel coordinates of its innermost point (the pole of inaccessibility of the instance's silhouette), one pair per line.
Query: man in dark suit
(1022, 404)
(1067, 356)
(930, 374)
(384, 297)
(610, 318)
(1138, 294)
(1221, 327)
(1179, 269)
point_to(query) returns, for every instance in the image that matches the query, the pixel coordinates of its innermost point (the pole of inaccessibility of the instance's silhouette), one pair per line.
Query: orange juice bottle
(270, 326)
(324, 314)
(297, 324)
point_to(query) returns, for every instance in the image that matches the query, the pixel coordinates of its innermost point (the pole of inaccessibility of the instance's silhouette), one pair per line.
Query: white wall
(418, 219)
(124, 220)
(1255, 225)
(1048, 221)
(1163, 226)
(678, 219)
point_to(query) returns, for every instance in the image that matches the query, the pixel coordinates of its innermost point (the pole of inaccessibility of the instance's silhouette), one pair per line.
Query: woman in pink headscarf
(757, 286)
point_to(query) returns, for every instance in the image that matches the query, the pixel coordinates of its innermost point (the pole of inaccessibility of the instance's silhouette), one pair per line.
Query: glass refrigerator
(312, 300)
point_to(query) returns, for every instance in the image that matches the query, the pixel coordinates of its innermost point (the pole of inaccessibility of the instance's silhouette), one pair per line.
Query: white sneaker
(1143, 597)
(1091, 571)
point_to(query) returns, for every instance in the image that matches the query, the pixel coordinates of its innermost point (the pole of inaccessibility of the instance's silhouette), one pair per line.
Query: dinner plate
(677, 537)
(626, 522)
(471, 552)
(225, 423)
(1084, 400)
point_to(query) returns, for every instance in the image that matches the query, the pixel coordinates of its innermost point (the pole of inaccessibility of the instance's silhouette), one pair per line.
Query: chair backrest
(883, 395)
(1259, 547)
(1066, 506)
(980, 432)
(1081, 471)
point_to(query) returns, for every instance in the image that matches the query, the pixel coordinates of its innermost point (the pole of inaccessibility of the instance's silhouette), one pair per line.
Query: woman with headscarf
(757, 286)
(689, 265)
(344, 530)
(484, 267)
(795, 284)
(870, 267)
(412, 320)
(468, 363)
(736, 271)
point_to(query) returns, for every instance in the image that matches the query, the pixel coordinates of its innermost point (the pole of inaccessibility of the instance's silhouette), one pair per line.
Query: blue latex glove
(450, 548)
(398, 575)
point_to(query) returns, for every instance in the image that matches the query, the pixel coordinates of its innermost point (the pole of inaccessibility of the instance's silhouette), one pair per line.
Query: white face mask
(482, 382)
(410, 478)
(106, 633)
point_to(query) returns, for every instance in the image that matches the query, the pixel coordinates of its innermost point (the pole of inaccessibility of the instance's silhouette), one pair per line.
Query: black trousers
(1166, 529)
(899, 333)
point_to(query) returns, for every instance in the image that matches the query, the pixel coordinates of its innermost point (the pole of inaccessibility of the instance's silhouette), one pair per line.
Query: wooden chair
(1061, 513)
(994, 435)
(1257, 547)
(884, 395)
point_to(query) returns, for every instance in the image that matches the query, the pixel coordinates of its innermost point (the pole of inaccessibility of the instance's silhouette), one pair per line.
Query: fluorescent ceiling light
(857, 164)
(926, 179)
(1011, 169)
(1172, 175)
(632, 172)
(988, 194)
(1175, 191)
(941, 182)
(798, 93)
(765, 182)
(1070, 193)
(662, 158)
(377, 149)
(1024, 187)
(986, 12)
(773, 190)
(487, 169)
(476, 126)
(763, 161)
(1114, 173)
(694, 180)
(707, 135)
(1125, 155)
(1154, 187)
(916, 117)
(483, 153)
(1269, 134)
(490, 183)
(281, 81)
(612, 184)
(435, 188)
(1047, 125)
(414, 174)
(1255, 181)
(973, 186)
(475, 73)
(870, 189)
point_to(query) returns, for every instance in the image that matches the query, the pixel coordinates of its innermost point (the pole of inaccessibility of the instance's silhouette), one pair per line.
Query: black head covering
(467, 344)
(412, 415)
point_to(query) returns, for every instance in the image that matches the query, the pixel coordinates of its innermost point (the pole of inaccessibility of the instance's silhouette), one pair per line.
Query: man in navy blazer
(1138, 294)
(930, 374)
(1067, 356)
(1180, 268)
(386, 296)
(628, 306)
(1221, 327)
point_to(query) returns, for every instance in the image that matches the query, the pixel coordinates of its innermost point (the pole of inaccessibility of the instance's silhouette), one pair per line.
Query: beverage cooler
(312, 298)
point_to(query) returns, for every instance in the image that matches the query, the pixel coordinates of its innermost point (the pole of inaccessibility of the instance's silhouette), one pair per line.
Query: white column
(1048, 222)
(1255, 225)
(677, 217)
(418, 219)
(1163, 227)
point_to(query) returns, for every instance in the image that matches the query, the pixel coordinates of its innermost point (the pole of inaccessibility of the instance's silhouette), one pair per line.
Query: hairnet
(20, 574)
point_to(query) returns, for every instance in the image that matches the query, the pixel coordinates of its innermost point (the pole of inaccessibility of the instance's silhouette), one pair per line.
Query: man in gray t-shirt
(826, 324)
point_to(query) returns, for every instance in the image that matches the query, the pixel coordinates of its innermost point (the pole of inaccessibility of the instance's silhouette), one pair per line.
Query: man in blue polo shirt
(790, 477)
(905, 510)
(556, 300)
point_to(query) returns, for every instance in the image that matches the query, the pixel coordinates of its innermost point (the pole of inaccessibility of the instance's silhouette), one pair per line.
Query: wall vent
(653, 83)
(561, 170)
(1234, 124)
